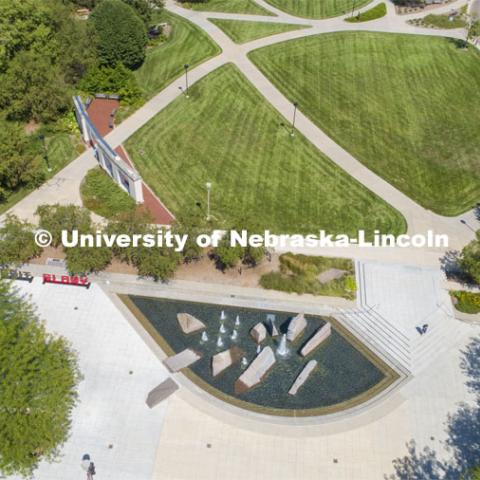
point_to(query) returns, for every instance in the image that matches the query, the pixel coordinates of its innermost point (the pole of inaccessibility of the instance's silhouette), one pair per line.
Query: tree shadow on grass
(463, 442)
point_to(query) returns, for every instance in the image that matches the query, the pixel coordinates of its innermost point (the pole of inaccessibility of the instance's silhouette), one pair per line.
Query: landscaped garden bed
(315, 275)
(466, 302)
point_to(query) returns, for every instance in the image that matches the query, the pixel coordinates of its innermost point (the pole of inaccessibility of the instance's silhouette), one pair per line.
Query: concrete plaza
(191, 437)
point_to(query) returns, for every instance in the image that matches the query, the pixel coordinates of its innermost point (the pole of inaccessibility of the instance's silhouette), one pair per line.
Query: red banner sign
(74, 280)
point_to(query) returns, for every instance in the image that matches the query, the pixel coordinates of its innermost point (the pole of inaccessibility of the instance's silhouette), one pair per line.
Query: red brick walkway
(100, 111)
(152, 204)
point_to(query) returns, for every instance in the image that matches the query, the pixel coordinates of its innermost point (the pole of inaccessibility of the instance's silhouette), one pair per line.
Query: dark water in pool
(343, 372)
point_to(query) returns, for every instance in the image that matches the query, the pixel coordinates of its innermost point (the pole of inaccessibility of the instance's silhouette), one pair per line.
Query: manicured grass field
(228, 6)
(317, 8)
(406, 106)
(245, 31)
(226, 133)
(378, 11)
(164, 62)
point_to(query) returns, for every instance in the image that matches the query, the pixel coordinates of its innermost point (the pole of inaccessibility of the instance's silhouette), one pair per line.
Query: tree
(192, 225)
(20, 162)
(120, 34)
(56, 218)
(228, 256)
(43, 51)
(130, 223)
(38, 378)
(158, 263)
(83, 260)
(145, 8)
(17, 242)
(469, 259)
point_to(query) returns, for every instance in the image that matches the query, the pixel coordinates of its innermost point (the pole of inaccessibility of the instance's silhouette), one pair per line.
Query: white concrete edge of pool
(372, 409)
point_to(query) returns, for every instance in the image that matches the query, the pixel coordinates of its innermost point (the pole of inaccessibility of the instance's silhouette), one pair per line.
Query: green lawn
(406, 106)
(378, 11)
(228, 134)
(62, 149)
(317, 8)
(228, 6)
(245, 31)
(164, 62)
(102, 195)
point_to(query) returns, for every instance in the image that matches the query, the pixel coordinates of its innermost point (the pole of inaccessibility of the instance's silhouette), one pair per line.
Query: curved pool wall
(348, 373)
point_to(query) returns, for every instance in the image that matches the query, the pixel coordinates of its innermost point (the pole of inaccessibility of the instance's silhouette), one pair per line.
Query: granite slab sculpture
(223, 360)
(189, 324)
(259, 332)
(181, 360)
(320, 336)
(256, 371)
(296, 327)
(161, 392)
(302, 376)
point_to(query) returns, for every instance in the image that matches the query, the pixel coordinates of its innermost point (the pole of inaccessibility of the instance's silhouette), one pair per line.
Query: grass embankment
(300, 274)
(245, 31)
(316, 8)
(378, 11)
(102, 195)
(406, 106)
(228, 6)
(228, 134)
(164, 62)
(466, 302)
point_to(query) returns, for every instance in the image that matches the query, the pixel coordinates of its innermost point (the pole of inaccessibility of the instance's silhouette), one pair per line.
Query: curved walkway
(63, 187)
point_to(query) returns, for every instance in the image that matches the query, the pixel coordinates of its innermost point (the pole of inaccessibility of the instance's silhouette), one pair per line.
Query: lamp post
(186, 79)
(41, 137)
(467, 225)
(209, 188)
(295, 105)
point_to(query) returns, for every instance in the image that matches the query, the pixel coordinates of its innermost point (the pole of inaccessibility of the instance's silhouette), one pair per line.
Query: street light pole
(295, 105)
(464, 222)
(186, 78)
(209, 188)
(45, 154)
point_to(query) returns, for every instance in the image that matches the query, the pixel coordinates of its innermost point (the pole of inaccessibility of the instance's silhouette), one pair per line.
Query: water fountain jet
(283, 349)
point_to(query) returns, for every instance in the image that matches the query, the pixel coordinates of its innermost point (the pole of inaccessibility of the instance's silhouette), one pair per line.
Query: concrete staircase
(409, 351)
(382, 337)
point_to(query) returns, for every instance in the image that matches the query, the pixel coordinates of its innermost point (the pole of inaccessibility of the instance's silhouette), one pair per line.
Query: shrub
(118, 80)
(467, 302)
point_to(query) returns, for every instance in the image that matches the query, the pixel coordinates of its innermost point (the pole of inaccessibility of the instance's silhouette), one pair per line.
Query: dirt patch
(204, 270)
